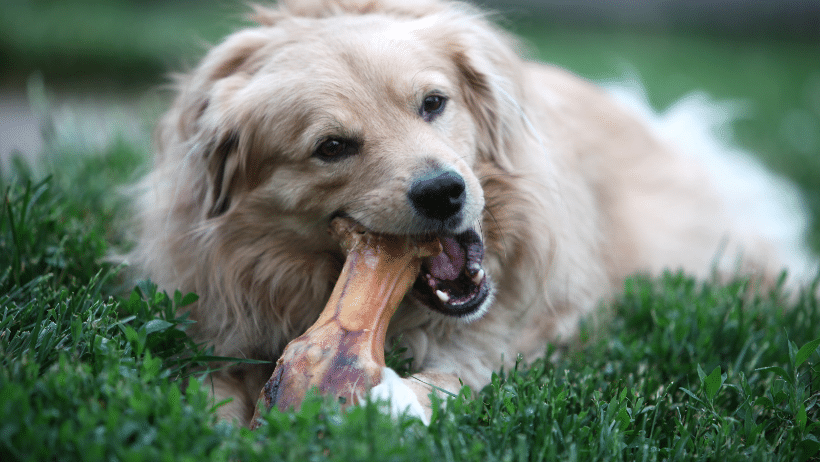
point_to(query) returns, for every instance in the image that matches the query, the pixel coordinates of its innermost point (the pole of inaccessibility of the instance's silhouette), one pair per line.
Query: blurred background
(89, 73)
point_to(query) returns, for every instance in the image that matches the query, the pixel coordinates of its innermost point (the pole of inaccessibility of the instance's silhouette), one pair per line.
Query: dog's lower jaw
(454, 282)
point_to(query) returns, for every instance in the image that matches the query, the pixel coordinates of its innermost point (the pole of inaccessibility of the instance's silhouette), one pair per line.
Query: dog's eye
(336, 149)
(432, 106)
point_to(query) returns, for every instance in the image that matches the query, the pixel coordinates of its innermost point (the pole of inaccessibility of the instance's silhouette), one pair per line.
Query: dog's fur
(570, 191)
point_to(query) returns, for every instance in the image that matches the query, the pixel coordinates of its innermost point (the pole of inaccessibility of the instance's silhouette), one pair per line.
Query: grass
(93, 369)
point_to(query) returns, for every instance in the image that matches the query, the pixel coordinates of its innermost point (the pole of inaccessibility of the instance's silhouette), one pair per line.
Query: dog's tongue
(449, 264)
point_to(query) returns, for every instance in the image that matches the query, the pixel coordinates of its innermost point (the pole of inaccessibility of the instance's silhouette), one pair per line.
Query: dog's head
(367, 111)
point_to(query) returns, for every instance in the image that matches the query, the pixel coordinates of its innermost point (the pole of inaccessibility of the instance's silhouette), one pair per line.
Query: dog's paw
(400, 398)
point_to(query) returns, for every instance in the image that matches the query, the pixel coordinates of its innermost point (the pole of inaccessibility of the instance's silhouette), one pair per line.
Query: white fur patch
(757, 200)
(400, 398)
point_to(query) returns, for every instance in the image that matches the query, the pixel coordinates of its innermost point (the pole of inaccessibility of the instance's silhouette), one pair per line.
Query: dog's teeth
(479, 276)
(431, 281)
(442, 296)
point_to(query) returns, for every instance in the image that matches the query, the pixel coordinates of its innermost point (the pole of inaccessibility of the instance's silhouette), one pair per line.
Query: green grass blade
(806, 351)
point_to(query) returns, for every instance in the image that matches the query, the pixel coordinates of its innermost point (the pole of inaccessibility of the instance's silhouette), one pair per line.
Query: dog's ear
(222, 161)
(202, 123)
(488, 69)
(484, 104)
(226, 67)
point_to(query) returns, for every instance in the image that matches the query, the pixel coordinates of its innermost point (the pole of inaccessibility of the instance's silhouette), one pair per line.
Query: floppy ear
(200, 126)
(483, 102)
(222, 161)
(239, 54)
(488, 70)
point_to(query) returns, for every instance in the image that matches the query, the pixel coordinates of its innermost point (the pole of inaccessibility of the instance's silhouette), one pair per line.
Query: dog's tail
(758, 201)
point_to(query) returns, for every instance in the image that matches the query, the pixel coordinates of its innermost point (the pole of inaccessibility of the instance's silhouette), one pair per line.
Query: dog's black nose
(438, 196)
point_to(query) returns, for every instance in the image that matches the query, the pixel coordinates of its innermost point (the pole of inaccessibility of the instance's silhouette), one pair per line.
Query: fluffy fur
(569, 190)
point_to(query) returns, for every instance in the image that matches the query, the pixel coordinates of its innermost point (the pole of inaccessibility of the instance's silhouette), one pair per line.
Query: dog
(416, 118)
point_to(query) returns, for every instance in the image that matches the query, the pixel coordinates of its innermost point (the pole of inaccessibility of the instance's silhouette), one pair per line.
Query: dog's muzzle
(453, 282)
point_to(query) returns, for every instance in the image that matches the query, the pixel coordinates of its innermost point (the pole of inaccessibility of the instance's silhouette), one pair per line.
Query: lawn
(94, 367)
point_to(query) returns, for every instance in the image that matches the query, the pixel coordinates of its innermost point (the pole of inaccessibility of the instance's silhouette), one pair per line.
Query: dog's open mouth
(454, 282)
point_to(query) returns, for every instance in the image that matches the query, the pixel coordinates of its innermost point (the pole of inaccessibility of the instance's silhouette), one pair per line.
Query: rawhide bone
(342, 353)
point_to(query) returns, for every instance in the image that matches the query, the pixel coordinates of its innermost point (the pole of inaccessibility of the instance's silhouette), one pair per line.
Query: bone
(342, 353)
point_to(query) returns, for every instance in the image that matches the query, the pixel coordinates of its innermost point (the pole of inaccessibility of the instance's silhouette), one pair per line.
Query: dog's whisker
(547, 186)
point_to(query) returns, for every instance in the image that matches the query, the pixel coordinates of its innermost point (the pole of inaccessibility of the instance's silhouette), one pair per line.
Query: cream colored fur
(571, 190)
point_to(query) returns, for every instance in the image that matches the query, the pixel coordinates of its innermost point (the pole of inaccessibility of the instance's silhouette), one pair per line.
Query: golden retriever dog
(416, 118)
